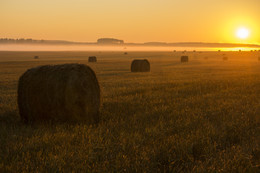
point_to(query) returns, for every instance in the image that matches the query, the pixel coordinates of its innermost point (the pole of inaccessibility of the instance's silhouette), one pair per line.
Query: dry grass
(202, 116)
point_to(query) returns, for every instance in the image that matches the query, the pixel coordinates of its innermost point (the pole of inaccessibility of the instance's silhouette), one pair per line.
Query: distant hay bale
(125, 53)
(66, 93)
(184, 58)
(36, 57)
(225, 58)
(140, 65)
(92, 59)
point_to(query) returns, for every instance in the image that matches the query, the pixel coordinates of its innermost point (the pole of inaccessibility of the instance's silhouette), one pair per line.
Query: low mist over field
(112, 44)
(29, 47)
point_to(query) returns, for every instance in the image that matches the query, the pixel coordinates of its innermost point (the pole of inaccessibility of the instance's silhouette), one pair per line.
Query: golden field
(200, 116)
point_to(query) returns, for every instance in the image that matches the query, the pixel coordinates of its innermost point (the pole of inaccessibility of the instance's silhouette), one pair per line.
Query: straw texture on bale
(140, 65)
(92, 59)
(184, 58)
(66, 93)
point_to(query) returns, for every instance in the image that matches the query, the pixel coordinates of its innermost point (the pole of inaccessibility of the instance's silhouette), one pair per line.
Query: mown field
(201, 116)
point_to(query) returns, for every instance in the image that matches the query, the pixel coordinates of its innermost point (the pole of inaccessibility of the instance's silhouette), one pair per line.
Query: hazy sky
(131, 20)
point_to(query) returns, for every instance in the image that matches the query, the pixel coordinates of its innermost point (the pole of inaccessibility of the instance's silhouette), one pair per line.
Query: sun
(242, 33)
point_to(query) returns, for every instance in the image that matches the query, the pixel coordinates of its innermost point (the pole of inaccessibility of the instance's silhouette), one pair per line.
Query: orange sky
(131, 20)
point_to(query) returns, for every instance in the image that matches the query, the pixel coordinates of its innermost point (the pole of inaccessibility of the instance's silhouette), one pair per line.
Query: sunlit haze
(131, 20)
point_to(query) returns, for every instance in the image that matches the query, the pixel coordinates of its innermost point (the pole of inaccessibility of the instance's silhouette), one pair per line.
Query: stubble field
(200, 116)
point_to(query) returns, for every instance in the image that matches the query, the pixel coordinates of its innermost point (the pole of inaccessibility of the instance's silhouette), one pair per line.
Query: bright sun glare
(242, 33)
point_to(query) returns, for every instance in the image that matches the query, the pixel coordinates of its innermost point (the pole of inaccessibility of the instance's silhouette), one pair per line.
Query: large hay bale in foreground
(68, 92)
(184, 58)
(140, 65)
(92, 59)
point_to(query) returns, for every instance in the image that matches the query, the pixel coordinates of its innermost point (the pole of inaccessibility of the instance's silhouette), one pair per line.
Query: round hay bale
(125, 53)
(184, 58)
(66, 93)
(36, 57)
(225, 58)
(140, 65)
(92, 59)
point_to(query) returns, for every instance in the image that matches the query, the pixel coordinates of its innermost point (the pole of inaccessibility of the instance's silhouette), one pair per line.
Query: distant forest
(113, 41)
